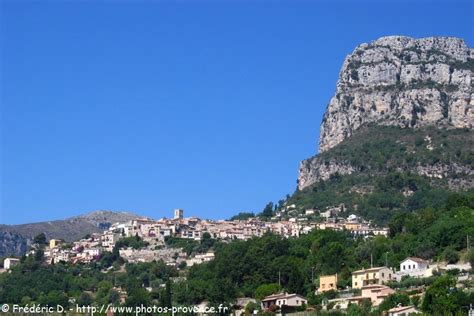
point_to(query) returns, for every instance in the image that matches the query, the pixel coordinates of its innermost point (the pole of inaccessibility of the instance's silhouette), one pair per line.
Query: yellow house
(54, 243)
(352, 226)
(327, 283)
(364, 277)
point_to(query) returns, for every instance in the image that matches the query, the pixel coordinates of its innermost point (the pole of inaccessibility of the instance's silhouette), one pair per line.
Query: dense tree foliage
(134, 242)
(443, 298)
(261, 266)
(31, 281)
(192, 246)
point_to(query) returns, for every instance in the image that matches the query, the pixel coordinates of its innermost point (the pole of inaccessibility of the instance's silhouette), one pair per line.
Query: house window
(355, 283)
(383, 275)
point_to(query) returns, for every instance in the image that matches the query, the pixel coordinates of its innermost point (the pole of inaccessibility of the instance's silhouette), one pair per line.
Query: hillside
(14, 239)
(384, 169)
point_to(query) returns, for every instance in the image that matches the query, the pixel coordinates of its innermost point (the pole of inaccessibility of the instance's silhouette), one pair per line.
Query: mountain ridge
(15, 239)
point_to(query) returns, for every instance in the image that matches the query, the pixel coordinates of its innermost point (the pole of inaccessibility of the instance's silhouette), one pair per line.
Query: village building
(327, 283)
(8, 263)
(54, 243)
(375, 293)
(200, 258)
(291, 300)
(403, 311)
(414, 267)
(364, 277)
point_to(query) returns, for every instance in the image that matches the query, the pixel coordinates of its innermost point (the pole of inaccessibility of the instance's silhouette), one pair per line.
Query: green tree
(40, 239)
(266, 289)
(439, 298)
(84, 299)
(267, 211)
(242, 216)
(451, 255)
(393, 300)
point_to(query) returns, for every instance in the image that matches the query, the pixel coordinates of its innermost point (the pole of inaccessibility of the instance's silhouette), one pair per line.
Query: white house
(414, 267)
(413, 263)
(326, 214)
(353, 218)
(200, 258)
(8, 263)
(292, 300)
(92, 252)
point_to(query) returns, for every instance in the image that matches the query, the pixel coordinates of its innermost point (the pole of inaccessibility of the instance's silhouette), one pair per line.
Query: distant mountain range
(15, 239)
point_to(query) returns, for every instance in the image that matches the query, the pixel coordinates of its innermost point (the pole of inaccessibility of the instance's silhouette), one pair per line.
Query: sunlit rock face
(396, 81)
(401, 81)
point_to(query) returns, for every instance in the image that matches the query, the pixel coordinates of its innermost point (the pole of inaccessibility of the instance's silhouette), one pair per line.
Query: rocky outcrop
(402, 81)
(442, 171)
(12, 244)
(314, 170)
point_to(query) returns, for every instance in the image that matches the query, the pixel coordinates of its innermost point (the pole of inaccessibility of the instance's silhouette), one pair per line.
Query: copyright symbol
(5, 308)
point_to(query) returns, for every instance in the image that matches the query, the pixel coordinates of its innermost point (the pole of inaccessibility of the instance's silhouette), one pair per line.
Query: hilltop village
(154, 234)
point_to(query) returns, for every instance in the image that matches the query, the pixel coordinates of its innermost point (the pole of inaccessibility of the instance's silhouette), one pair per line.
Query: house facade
(414, 267)
(54, 243)
(375, 293)
(327, 283)
(292, 300)
(413, 263)
(365, 277)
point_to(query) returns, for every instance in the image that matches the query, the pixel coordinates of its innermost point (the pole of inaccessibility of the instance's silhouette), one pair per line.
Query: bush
(450, 255)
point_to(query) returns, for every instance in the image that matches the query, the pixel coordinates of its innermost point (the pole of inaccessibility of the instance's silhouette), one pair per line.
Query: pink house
(375, 293)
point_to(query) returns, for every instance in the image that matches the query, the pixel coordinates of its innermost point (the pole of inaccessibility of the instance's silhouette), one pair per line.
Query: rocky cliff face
(396, 81)
(402, 81)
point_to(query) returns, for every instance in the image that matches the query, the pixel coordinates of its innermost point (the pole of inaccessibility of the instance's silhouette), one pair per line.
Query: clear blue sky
(147, 106)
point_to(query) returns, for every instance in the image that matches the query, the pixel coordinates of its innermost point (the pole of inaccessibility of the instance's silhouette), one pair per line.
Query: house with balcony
(365, 277)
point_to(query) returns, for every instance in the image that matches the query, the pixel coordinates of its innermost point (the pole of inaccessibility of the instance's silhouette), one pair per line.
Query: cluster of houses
(330, 219)
(372, 285)
(154, 232)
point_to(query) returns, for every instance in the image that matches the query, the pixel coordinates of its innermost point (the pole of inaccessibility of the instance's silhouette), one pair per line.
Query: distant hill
(14, 239)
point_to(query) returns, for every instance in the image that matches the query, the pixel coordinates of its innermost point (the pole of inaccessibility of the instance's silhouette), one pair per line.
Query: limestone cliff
(395, 81)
